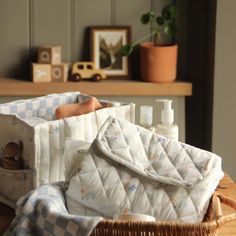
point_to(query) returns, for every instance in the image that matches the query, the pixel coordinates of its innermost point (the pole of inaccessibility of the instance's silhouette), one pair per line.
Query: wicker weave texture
(213, 220)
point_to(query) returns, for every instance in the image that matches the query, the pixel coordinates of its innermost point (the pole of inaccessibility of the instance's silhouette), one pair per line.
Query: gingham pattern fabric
(130, 169)
(43, 212)
(43, 140)
(43, 107)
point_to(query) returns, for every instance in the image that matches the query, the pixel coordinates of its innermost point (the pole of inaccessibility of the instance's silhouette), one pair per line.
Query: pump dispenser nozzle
(167, 128)
(167, 113)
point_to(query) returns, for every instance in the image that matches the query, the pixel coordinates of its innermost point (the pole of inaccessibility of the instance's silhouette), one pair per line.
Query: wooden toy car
(86, 70)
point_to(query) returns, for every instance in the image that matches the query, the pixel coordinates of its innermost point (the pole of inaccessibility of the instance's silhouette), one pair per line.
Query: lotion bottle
(167, 128)
(146, 117)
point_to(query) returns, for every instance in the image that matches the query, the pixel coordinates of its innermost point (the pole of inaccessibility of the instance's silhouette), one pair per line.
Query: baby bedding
(130, 169)
(126, 169)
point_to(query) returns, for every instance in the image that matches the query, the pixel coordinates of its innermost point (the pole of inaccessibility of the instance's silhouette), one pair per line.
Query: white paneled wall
(27, 24)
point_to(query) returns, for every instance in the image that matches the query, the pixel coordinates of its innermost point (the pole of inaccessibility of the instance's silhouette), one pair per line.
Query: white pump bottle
(167, 128)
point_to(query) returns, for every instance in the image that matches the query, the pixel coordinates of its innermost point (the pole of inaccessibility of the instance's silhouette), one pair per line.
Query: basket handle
(220, 218)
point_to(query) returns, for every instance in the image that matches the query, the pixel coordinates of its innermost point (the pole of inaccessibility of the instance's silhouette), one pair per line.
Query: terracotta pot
(158, 63)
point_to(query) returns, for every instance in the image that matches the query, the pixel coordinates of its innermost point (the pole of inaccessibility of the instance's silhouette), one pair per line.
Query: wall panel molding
(130, 15)
(31, 27)
(113, 12)
(65, 23)
(153, 5)
(51, 25)
(14, 46)
(157, 5)
(72, 30)
(88, 13)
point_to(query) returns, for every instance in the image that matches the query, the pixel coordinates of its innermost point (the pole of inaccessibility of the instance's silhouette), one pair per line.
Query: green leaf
(169, 12)
(147, 17)
(151, 14)
(160, 20)
(126, 50)
(171, 29)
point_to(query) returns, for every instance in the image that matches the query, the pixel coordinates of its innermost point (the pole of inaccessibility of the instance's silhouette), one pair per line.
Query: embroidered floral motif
(132, 187)
(87, 195)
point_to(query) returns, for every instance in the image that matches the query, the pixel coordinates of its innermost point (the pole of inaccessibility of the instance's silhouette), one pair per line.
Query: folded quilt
(130, 169)
(43, 212)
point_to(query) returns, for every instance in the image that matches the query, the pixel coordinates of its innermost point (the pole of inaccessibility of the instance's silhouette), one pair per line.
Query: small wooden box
(59, 73)
(49, 55)
(41, 72)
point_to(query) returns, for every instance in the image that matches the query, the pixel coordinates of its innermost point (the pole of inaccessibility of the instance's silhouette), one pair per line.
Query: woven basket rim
(207, 227)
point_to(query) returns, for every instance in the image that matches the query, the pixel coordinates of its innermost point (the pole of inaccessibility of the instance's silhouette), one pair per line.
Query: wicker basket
(212, 221)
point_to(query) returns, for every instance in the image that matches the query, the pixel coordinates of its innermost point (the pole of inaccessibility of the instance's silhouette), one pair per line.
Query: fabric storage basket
(14, 183)
(32, 122)
(213, 220)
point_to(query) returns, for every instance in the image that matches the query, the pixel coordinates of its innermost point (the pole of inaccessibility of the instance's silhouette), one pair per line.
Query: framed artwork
(104, 49)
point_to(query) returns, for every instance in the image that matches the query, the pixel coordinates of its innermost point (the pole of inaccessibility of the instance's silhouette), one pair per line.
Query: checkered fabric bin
(32, 122)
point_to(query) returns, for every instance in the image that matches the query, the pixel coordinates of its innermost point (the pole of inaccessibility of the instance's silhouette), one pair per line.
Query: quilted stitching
(157, 201)
(162, 160)
(125, 163)
(165, 156)
(133, 151)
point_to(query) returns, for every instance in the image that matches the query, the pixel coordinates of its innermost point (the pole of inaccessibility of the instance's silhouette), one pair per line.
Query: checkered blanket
(43, 212)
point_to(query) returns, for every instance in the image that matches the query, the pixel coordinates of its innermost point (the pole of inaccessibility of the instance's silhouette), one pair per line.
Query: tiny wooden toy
(12, 156)
(86, 70)
(41, 72)
(59, 73)
(49, 55)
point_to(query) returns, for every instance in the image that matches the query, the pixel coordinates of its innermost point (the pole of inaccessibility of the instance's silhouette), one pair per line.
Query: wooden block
(49, 55)
(59, 73)
(41, 72)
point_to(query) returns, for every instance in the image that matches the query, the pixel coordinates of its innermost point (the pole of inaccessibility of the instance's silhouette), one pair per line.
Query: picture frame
(105, 42)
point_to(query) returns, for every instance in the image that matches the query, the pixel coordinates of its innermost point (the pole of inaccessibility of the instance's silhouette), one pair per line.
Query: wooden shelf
(15, 87)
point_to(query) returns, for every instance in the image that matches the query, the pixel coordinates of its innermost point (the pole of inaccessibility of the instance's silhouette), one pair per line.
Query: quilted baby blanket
(130, 169)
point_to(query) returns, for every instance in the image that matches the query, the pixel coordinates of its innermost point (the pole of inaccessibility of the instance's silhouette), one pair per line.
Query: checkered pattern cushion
(43, 107)
(43, 212)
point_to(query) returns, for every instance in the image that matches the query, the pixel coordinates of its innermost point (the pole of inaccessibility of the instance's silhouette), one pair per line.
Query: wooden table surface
(227, 188)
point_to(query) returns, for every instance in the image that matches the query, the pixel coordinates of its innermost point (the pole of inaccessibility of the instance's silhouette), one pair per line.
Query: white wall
(224, 110)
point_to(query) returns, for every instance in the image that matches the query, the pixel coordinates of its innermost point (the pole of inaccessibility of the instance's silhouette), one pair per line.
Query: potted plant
(158, 59)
